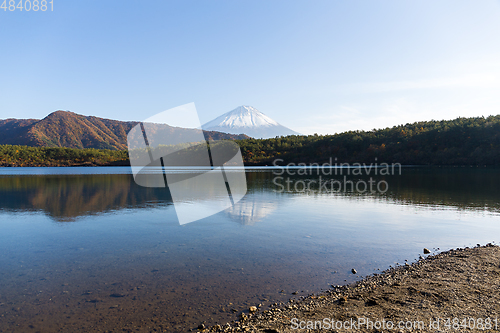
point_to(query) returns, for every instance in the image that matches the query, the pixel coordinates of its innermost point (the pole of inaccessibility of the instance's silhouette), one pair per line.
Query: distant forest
(462, 141)
(24, 156)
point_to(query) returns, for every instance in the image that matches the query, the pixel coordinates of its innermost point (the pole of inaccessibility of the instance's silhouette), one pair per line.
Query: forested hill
(462, 141)
(71, 130)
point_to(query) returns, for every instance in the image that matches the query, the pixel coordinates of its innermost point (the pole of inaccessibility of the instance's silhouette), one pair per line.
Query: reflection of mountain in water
(66, 197)
(248, 211)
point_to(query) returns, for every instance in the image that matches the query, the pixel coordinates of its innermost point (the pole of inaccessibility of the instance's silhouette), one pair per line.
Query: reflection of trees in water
(67, 197)
(464, 188)
(459, 187)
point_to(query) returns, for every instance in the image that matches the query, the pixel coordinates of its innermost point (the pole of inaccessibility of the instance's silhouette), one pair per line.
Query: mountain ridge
(72, 130)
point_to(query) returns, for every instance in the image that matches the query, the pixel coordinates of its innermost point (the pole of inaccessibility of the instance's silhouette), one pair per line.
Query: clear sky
(314, 66)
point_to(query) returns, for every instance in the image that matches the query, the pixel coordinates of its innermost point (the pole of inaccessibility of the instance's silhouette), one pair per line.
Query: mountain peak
(243, 116)
(61, 113)
(247, 120)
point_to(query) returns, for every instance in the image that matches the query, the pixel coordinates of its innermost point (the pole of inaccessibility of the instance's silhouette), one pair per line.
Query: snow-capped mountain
(250, 121)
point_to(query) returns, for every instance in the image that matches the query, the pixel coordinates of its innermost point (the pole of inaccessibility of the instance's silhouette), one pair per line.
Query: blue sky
(314, 66)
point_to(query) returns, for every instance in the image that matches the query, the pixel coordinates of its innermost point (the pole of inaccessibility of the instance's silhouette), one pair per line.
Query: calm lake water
(86, 249)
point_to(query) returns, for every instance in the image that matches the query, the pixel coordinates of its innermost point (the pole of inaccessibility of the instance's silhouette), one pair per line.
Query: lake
(86, 249)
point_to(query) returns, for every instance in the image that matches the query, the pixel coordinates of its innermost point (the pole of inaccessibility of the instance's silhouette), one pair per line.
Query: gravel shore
(453, 291)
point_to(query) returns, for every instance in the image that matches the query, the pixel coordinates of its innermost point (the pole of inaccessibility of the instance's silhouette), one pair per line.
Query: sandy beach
(452, 291)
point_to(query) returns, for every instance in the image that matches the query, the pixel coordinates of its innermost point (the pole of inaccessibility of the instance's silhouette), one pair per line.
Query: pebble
(353, 271)
(426, 250)
(253, 308)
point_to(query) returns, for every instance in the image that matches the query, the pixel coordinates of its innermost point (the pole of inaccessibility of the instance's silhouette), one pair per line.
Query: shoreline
(425, 296)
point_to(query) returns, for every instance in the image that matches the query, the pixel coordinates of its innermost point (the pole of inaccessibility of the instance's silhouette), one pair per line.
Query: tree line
(462, 141)
(21, 156)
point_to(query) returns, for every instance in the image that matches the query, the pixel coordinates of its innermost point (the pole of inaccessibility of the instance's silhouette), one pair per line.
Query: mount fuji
(250, 121)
